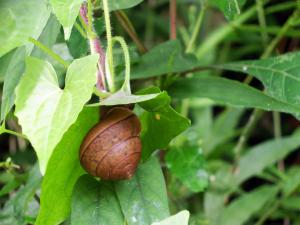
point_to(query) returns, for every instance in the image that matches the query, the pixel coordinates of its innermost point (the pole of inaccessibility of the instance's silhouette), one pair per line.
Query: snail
(112, 149)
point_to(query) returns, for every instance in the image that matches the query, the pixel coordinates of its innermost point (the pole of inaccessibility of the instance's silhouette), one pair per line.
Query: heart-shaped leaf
(66, 12)
(147, 201)
(15, 64)
(95, 202)
(17, 26)
(63, 170)
(140, 200)
(45, 111)
(14, 70)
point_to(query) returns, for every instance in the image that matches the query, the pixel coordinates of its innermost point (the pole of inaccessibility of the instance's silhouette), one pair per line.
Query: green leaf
(48, 37)
(77, 45)
(165, 58)
(214, 205)
(15, 65)
(228, 92)
(18, 25)
(66, 12)
(143, 199)
(122, 4)
(13, 73)
(140, 200)
(153, 105)
(160, 123)
(15, 210)
(10, 186)
(292, 203)
(239, 211)
(7, 214)
(264, 155)
(292, 182)
(63, 170)
(187, 164)
(230, 8)
(26, 193)
(123, 98)
(280, 75)
(45, 111)
(4, 63)
(181, 218)
(95, 202)
(229, 120)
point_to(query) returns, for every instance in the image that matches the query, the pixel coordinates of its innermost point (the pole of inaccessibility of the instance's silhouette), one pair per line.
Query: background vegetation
(223, 126)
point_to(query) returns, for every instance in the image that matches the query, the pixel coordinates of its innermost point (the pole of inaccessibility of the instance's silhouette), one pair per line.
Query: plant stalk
(128, 27)
(110, 74)
(49, 52)
(173, 19)
(262, 21)
(4, 130)
(197, 28)
(95, 44)
(216, 37)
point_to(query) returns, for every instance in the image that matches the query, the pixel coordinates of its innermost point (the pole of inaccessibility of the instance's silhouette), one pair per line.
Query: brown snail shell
(112, 149)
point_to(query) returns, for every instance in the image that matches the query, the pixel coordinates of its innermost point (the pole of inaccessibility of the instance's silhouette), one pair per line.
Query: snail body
(112, 149)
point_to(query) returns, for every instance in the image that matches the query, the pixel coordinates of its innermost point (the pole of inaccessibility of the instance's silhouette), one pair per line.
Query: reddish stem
(96, 47)
(173, 33)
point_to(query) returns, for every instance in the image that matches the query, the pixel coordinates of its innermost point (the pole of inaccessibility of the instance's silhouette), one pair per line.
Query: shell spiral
(112, 149)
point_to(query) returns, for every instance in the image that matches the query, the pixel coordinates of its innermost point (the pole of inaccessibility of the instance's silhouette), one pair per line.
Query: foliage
(218, 106)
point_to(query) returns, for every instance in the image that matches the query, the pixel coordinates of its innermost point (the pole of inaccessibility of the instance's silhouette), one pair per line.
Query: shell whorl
(112, 149)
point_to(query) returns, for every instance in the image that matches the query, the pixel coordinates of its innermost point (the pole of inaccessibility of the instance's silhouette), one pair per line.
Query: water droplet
(245, 68)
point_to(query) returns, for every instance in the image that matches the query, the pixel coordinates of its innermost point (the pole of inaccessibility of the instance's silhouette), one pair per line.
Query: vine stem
(189, 49)
(216, 37)
(281, 7)
(197, 27)
(270, 30)
(4, 130)
(128, 27)
(126, 86)
(268, 213)
(90, 16)
(281, 33)
(49, 52)
(237, 7)
(95, 43)
(173, 19)
(262, 21)
(110, 75)
(80, 30)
